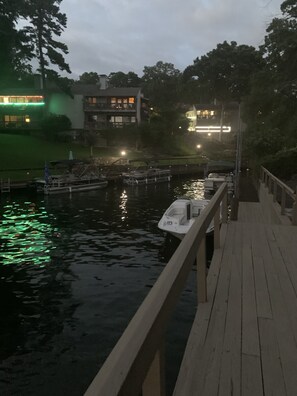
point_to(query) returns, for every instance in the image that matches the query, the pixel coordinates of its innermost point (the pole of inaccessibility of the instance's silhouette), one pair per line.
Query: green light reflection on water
(26, 235)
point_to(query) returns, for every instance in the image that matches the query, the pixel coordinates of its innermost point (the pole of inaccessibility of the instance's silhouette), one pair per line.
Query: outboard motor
(189, 212)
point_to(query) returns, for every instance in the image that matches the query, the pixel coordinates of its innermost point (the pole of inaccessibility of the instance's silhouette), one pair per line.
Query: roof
(94, 90)
(20, 92)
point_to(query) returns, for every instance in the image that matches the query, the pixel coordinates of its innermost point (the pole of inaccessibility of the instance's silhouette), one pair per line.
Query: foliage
(263, 141)
(14, 45)
(269, 110)
(161, 84)
(121, 79)
(89, 78)
(46, 22)
(225, 71)
(283, 164)
(125, 137)
(55, 123)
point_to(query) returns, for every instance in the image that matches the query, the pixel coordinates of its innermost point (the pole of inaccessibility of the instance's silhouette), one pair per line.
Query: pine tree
(15, 48)
(46, 22)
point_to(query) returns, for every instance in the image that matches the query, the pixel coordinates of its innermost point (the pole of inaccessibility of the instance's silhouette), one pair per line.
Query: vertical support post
(201, 273)
(266, 179)
(269, 185)
(294, 213)
(225, 209)
(283, 201)
(274, 190)
(216, 223)
(154, 383)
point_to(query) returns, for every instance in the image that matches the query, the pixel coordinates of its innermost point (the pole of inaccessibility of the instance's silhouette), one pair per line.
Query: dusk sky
(107, 36)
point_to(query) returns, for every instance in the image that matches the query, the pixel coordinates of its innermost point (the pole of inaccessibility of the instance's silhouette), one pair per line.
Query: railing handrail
(125, 370)
(288, 189)
(267, 178)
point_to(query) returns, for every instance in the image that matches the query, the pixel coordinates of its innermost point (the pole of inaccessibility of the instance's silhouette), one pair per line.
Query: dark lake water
(73, 271)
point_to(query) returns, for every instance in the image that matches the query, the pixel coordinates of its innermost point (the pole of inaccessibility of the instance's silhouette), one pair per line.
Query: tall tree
(270, 109)
(46, 22)
(14, 46)
(226, 71)
(280, 48)
(161, 83)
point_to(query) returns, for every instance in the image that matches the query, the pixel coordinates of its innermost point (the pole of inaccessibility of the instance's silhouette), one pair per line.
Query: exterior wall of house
(71, 107)
(21, 110)
(115, 107)
(90, 108)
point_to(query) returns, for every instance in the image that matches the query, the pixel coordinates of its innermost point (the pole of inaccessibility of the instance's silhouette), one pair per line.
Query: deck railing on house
(137, 361)
(281, 193)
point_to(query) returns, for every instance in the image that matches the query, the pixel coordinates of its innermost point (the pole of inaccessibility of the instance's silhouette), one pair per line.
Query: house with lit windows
(90, 107)
(21, 109)
(93, 108)
(212, 120)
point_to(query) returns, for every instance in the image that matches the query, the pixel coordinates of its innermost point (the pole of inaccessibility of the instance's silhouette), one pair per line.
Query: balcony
(108, 124)
(110, 107)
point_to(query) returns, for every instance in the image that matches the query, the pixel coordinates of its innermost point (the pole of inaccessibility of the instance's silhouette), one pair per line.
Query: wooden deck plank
(250, 336)
(283, 329)
(199, 349)
(230, 375)
(283, 271)
(251, 382)
(273, 377)
(261, 288)
(250, 212)
(246, 343)
(200, 324)
(208, 358)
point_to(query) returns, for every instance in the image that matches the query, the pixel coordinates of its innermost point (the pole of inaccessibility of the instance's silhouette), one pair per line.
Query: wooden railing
(136, 364)
(281, 193)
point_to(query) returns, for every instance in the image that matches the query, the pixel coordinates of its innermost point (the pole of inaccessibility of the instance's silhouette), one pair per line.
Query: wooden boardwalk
(244, 339)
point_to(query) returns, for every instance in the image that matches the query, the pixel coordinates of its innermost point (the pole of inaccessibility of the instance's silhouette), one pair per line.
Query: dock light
(123, 153)
(198, 146)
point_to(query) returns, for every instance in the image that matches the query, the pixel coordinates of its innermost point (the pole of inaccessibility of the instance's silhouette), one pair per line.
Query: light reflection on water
(85, 264)
(25, 234)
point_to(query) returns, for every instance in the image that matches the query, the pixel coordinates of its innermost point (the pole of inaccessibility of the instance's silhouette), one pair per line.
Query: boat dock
(244, 336)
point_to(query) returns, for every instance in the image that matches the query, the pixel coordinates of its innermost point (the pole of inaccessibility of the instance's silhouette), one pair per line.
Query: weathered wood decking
(244, 339)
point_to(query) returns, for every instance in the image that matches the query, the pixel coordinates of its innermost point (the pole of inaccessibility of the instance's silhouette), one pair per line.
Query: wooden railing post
(269, 185)
(274, 190)
(294, 213)
(283, 201)
(201, 273)
(225, 209)
(216, 223)
(154, 382)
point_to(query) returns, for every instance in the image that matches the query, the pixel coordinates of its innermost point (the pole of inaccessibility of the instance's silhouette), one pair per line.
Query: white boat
(79, 177)
(214, 180)
(146, 176)
(60, 184)
(180, 216)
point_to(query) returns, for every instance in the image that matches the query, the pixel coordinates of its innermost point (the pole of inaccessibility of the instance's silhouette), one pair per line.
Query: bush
(55, 123)
(283, 164)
